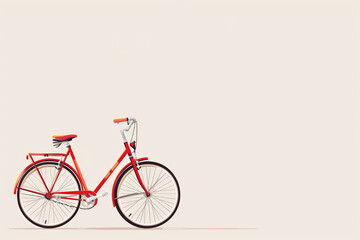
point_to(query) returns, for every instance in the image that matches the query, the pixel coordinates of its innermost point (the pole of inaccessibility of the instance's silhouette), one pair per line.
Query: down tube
(111, 171)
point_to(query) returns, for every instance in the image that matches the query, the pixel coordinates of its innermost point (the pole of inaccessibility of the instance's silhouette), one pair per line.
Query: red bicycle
(50, 191)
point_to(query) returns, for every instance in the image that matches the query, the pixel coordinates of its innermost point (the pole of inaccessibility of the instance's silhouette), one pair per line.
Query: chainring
(84, 205)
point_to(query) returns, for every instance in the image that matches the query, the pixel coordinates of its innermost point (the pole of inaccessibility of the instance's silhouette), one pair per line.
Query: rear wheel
(147, 211)
(36, 207)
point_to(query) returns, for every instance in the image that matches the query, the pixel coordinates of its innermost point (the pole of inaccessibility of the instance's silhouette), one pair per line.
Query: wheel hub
(48, 196)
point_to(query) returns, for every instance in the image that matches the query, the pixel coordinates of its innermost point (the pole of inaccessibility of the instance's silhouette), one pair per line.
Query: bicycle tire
(157, 206)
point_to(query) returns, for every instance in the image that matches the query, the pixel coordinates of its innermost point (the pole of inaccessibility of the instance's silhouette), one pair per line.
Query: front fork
(136, 161)
(136, 167)
(133, 159)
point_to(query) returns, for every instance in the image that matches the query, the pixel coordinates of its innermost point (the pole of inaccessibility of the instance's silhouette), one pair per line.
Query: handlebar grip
(118, 120)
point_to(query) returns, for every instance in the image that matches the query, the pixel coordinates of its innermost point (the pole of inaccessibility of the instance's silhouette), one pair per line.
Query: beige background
(254, 105)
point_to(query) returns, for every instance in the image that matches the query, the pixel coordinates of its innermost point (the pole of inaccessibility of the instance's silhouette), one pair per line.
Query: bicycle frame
(84, 188)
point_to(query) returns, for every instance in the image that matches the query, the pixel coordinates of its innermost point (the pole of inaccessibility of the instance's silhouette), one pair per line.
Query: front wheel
(147, 211)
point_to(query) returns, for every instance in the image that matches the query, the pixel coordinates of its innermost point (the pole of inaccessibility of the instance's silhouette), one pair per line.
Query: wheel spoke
(131, 205)
(159, 187)
(158, 180)
(148, 178)
(139, 209)
(134, 179)
(34, 204)
(155, 211)
(33, 185)
(164, 201)
(158, 207)
(162, 204)
(130, 187)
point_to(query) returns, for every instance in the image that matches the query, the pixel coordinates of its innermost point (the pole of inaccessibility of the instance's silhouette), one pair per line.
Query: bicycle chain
(65, 204)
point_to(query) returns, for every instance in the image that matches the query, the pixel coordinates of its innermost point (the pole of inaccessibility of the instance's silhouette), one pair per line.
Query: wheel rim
(150, 210)
(43, 211)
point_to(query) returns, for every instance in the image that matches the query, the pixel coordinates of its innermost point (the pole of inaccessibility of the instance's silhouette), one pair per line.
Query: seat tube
(78, 169)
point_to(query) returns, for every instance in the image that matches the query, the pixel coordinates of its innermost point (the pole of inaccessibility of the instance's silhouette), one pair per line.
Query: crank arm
(95, 197)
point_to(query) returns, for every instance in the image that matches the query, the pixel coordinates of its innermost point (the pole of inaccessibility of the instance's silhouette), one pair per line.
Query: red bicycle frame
(84, 188)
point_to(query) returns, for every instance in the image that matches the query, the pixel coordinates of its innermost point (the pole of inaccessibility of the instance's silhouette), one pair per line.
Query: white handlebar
(130, 121)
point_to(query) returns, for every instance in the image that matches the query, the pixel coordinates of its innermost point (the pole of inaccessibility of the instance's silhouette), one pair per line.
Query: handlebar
(118, 120)
(130, 122)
